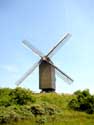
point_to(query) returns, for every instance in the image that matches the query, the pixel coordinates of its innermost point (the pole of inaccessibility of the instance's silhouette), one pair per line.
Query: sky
(43, 23)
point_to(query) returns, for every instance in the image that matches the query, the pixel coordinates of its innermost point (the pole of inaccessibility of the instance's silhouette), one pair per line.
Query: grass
(42, 108)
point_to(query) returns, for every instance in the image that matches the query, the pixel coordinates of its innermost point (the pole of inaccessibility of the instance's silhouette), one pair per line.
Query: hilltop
(22, 104)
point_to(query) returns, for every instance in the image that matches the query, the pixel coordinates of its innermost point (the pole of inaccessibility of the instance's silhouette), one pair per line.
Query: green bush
(37, 110)
(84, 101)
(50, 109)
(5, 91)
(4, 97)
(5, 101)
(21, 96)
(41, 120)
(8, 115)
(77, 92)
(17, 96)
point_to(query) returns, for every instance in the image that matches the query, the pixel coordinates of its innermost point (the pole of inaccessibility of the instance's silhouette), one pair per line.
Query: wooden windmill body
(47, 70)
(46, 77)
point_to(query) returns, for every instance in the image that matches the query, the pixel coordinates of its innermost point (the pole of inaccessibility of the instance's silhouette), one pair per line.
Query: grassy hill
(19, 104)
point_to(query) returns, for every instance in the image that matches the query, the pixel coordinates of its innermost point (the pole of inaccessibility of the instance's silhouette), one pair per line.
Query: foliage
(41, 120)
(84, 101)
(22, 104)
(51, 109)
(21, 96)
(17, 96)
(4, 96)
(60, 100)
(37, 110)
(77, 92)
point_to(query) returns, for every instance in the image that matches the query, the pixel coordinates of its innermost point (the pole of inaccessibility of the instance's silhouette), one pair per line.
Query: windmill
(47, 69)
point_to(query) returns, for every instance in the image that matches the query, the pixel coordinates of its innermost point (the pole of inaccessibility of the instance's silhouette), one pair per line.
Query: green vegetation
(22, 105)
(83, 101)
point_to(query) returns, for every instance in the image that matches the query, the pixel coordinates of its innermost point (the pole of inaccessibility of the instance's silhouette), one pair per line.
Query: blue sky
(43, 23)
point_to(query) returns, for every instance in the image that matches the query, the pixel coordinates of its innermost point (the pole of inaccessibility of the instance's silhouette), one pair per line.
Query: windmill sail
(58, 45)
(31, 47)
(62, 75)
(27, 73)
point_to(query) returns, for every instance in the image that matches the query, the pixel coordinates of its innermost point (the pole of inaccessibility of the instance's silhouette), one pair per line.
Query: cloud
(10, 68)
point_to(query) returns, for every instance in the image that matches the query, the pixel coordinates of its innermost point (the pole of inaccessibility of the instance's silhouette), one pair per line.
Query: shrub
(21, 96)
(5, 91)
(73, 104)
(5, 101)
(51, 109)
(4, 97)
(41, 120)
(8, 115)
(37, 110)
(83, 102)
(77, 92)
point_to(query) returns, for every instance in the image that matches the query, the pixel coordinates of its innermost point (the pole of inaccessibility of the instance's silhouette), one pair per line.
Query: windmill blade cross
(31, 47)
(27, 73)
(58, 45)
